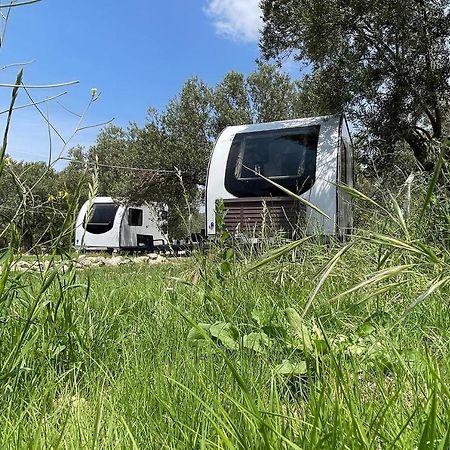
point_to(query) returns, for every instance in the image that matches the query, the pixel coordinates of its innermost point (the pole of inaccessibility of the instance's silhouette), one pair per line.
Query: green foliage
(231, 103)
(111, 149)
(181, 137)
(387, 63)
(186, 123)
(114, 357)
(35, 202)
(272, 93)
(224, 245)
(75, 172)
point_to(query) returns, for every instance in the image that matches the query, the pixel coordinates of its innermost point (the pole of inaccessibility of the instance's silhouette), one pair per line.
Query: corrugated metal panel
(276, 213)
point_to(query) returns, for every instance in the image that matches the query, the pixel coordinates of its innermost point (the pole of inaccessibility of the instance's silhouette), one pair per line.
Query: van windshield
(287, 156)
(102, 218)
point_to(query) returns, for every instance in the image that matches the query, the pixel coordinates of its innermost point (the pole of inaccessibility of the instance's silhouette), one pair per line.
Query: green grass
(115, 369)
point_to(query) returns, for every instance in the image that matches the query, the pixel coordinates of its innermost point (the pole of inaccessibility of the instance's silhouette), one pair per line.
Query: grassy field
(199, 354)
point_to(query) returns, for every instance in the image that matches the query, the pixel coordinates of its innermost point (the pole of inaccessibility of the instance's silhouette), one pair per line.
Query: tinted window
(135, 217)
(102, 218)
(287, 156)
(343, 163)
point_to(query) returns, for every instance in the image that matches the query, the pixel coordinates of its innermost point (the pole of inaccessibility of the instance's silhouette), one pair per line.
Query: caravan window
(343, 162)
(135, 217)
(102, 218)
(286, 156)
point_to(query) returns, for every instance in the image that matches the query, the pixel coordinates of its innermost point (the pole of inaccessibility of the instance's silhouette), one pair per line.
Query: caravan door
(140, 228)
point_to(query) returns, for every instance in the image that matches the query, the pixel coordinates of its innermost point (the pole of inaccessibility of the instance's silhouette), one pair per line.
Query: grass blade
(291, 194)
(401, 219)
(275, 254)
(429, 430)
(435, 177)
(418, 248)
(14, 94)
(325, 273)
(435, 284)
(360, 196)
(376, 277)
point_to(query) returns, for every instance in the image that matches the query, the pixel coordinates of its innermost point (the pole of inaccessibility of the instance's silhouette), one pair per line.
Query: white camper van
(307, 156)
(113, 225)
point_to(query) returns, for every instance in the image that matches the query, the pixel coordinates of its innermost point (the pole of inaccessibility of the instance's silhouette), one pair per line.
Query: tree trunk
(420, 148)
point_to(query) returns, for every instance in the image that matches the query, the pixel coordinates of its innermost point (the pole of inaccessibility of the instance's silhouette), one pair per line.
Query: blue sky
(136, 53)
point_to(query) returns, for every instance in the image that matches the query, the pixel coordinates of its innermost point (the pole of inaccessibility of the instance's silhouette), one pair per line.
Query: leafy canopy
(182, 137)
(387, 62)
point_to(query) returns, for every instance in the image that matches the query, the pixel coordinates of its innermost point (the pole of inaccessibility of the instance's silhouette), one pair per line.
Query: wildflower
(51, 198)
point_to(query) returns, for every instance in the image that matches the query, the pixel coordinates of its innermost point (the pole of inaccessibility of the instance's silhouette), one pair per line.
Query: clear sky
(137, 53)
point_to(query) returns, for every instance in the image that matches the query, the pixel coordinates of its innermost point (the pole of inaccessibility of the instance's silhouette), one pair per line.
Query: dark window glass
(135, 217)
(102, 218)
(343, 163)
(286, 156)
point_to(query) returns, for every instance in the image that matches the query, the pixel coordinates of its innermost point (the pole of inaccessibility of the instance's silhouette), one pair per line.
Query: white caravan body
(309, 156)
(116, 226)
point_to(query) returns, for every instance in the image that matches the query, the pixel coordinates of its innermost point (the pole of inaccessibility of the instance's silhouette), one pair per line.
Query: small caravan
(111, 225)
(308, 156)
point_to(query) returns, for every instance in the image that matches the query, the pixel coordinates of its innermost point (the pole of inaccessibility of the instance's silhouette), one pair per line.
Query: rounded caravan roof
(291, 123)
(103, 200)
(124, 203)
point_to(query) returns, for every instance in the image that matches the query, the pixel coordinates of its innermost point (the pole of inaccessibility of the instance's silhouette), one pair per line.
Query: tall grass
(137, 375)
(312, 346)
(308, 346)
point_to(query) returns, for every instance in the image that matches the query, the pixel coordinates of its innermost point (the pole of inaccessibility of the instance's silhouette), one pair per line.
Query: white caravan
(308, 156)
(113, 225)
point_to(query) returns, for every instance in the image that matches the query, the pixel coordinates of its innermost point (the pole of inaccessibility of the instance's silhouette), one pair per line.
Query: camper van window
(343, 163)
(135, 217)
(287, 156)
(102, 218)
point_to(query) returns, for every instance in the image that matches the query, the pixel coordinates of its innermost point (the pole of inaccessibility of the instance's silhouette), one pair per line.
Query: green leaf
(226, 334)
(428, 436)
(401, 218)
(229, 253)
(356, 350)
(412, 357)
(225, 236)
(289, 368)
(365, 330)
(259, 342)
(299, 329)
(377, 277)
(274, 331)
(428, 252)
(318, 339)
(225, 267)
(257, 316)
(359, 195)
(320, 345)
(49, 280)
(195, 335)
(391, 242)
